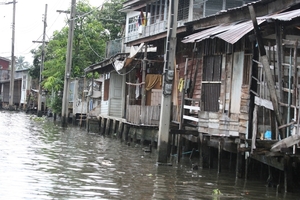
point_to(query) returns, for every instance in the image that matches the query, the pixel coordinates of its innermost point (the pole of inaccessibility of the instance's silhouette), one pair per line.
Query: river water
(41, 160)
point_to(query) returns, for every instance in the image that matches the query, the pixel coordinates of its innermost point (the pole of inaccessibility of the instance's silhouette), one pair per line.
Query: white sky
(29, 24)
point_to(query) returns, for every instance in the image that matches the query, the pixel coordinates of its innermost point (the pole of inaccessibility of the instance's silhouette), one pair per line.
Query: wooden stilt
(88, 124)
(108, 121)
(230, 161)
(173, 146)
(219, 157)
(120, 130)
(261, 170)
(246, 167)
(99, 124)
(125, 132)
(237, 165)
(285, 174)
(103, 125)
(179, 148)
(200, 149)
(210, 158)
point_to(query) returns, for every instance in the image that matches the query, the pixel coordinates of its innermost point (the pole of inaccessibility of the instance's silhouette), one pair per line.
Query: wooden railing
(192, 109)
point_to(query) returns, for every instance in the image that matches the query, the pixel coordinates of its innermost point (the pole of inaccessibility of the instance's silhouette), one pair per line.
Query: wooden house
(227, 93)
(134, 92)
(218, 49)
(22, 84)
(4, 74)
(247, 82)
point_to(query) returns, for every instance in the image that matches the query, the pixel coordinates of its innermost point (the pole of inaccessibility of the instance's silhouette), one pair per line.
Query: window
(183, 10)
(106, 90)
(211, 83)
(133, 24)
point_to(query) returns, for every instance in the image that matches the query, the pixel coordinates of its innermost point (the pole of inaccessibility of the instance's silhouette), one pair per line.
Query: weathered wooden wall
(152, 115)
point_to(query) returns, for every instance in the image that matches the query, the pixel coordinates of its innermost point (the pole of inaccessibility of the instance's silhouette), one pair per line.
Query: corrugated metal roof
(232, 33)
(197, 37)
(285, 16)
(236, 32)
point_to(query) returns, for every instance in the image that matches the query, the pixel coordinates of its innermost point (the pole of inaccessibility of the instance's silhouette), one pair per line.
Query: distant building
(22, 84)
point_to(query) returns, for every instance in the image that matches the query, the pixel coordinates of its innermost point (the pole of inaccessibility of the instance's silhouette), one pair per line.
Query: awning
(236, 32)
(230, 33)
(233, 32)
(104, 66)
(285, 16)
(197, 37)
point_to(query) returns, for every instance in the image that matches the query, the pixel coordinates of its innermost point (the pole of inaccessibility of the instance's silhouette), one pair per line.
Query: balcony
(153, 29)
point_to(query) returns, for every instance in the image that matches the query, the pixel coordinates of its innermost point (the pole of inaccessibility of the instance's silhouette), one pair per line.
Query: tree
(34, 71)
(21, 63)
(112, 19)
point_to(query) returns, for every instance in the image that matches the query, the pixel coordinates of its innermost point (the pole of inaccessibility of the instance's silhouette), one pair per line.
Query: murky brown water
(41, 160)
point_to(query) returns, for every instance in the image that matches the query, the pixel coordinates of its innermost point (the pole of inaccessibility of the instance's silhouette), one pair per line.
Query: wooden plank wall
(152, 115)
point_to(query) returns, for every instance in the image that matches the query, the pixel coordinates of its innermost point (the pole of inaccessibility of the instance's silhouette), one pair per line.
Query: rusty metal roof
(233, 32)
(197, 37)
(236, 32)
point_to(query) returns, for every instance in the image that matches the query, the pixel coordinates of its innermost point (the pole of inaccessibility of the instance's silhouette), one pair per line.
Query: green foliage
(112, 19)
(93, 28)
(38, 119)
(216, 192)
(34, 71)
(55, 103)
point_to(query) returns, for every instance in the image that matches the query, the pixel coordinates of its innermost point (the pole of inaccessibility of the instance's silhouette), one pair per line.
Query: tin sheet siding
(237, 80)
(115, 99)
(5, 94)
(104, 104)
(115, 108)
(17, 92)
(104, 108)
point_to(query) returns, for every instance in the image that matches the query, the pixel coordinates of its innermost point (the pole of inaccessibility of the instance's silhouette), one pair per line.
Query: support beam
(179, 145)
(219, 156)
(266, 66)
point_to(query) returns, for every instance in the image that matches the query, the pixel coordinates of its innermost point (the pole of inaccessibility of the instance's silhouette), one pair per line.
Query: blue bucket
(268, 135)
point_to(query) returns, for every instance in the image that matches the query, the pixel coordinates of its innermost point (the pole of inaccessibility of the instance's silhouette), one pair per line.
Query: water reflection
(41, 160)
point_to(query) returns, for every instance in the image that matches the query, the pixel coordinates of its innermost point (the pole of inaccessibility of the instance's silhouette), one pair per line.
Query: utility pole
(12, 70)
(169, 70)
(39, 112)
(65, 102)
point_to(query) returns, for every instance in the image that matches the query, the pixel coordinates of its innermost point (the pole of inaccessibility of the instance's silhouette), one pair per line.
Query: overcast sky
(29, 24)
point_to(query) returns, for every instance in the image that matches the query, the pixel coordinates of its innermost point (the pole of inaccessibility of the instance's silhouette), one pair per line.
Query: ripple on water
(45, 161)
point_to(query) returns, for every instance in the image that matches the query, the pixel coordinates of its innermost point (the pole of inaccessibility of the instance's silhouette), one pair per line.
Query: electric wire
(90, 45)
